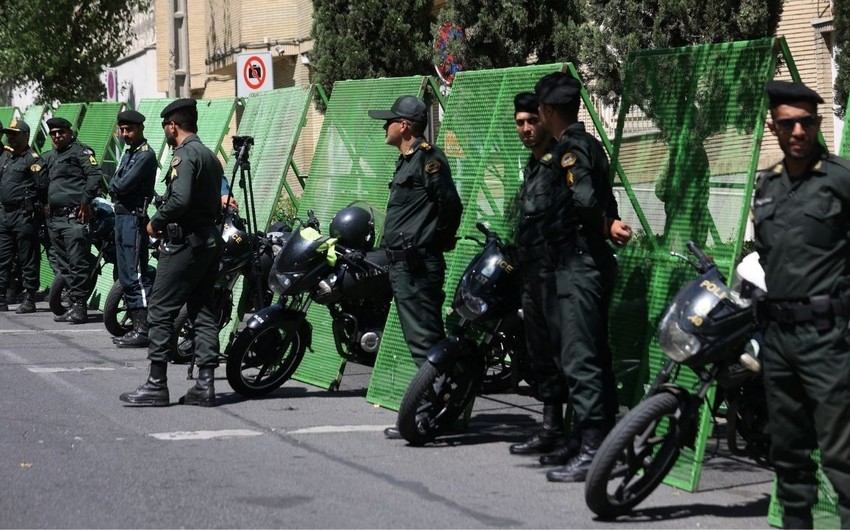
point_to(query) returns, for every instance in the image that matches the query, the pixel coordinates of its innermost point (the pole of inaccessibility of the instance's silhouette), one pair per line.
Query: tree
(358, 39)
(62, 46)
(618, 27)
(841, 18)
(501, 34)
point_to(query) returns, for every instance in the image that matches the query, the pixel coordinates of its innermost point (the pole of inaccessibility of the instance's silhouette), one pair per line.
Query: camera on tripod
(241, 145)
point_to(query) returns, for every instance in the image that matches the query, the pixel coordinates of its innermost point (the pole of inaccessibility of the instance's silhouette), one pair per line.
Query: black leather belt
(397, 255)
(120, 209)
(814, 308)
(12, 206)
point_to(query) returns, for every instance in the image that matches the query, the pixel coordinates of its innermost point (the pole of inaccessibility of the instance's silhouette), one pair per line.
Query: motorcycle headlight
(279, 283)
(473, 306)
(675, 342)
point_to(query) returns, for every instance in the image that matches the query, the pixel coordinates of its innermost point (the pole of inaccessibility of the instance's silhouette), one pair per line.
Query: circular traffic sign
(254, 72)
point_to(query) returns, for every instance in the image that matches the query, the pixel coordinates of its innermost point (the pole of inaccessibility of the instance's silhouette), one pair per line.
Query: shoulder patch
(87, 151)
(569, 159)
(425, 146)
(433, 166)
(35, 168)
(93, 160)
(175, 161)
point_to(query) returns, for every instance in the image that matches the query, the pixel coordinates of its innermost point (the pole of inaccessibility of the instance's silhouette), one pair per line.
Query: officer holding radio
(188, 263)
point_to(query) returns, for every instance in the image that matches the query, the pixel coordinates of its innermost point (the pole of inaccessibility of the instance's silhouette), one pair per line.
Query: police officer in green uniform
(22, 192)
(580, 211)
(188, 262)
(801, 212)
(423, 215)
(74, 178)
(132, 188)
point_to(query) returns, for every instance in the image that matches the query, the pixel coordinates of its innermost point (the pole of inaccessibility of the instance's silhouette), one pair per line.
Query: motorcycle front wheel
(260, 360)
(634, 458)
(116, 318)
(182, 346)
(59, 297)
(435, 400)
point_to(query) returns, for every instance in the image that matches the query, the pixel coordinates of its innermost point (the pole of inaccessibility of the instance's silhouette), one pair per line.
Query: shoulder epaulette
(843, 162)
(425, 146)
(144, 147)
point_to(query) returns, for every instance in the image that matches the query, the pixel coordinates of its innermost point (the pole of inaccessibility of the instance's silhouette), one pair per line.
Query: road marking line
(59, 369)
(203, 435)
(48, 331)
(324, 429)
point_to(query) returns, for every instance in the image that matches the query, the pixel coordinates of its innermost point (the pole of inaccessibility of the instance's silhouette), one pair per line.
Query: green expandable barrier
(97, 129)
(844, 148)
(274, 119)
(34, 117)
(351, 163)
(154, 133)
(6, 115)
(825, 512)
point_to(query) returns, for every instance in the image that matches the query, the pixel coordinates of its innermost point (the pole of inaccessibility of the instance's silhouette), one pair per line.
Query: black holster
(414, 259)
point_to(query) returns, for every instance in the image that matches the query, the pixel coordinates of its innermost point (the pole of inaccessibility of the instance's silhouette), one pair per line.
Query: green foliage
(617, 27)
(284, 210)
(359, 39)
(508, 33)
(62, 46)
(841, 18)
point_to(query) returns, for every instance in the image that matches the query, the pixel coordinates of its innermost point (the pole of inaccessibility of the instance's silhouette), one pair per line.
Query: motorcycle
(710, 328)
(485, 348)
(102, 230)
(341, 272)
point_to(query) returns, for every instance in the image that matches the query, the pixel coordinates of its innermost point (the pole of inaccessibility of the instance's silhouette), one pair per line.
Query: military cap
(407, 107)
(557, 88)
(131, 117)
(58, 123)
(784, 92)
(525, 102)
(17, 126)
(180, 104)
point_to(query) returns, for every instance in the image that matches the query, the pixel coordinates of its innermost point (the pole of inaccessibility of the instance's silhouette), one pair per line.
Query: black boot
(550, 435)
(78, 314)
(565, 452)
(4, 306)
(203, 393)
(797, 518)
(392, 433)
(28, 304)
(578, 466)
(154, 393)
(138, 336)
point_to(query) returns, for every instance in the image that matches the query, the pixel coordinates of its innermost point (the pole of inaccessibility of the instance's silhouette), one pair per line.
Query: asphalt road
(72, 456)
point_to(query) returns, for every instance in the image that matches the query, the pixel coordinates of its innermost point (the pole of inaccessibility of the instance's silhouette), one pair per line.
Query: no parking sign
(253, 73)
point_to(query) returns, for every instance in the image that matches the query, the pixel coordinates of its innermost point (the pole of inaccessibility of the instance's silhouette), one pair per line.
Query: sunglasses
(58, 132)
(788, 124)
(166, 122)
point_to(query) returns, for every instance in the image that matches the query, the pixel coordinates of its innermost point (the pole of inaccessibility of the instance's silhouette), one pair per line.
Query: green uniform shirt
(21, 177)
(73, 174)
(803, 229)
(135, 177)
(194, 181)
(582, 197)
(424, 208)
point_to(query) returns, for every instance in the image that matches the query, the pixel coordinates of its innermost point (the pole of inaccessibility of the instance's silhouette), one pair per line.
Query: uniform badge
(145, 147)
(87, 151)
(93, 160)
(568, 160)
(432, 167)
(546, 158)
(35, 168)
(425, 146)
(570, 178)
(175, 161)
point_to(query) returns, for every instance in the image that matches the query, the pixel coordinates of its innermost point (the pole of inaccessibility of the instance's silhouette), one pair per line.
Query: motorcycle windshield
(298, 265)
(489, 280)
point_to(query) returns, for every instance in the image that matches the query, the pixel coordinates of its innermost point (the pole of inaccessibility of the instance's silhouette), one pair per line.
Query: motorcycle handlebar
(704, 262)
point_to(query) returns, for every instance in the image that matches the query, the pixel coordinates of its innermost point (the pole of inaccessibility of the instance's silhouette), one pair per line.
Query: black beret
(784, 92)
(131, 117)
(58, 123)
(525, 102)
(407, 107)
(17, 126)
(180, 104)
(558, 88)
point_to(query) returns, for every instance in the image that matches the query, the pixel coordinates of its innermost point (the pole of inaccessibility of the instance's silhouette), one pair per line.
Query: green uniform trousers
(583, 285)
(807, 382)
(543, 341)
(419, 303)
(185, 276)
(70, 247)
(19, 237)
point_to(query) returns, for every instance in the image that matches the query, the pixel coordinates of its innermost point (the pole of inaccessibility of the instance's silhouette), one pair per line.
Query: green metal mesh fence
(6, 115)
(34, 116)
(687, 143)
(351, 163)
(844, 148)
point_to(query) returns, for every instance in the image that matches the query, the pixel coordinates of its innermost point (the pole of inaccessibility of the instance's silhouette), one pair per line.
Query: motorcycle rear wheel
(116, 317)
(435, 400)
(182, 347)
(59, 296)
(259, 361)
(634, 458)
